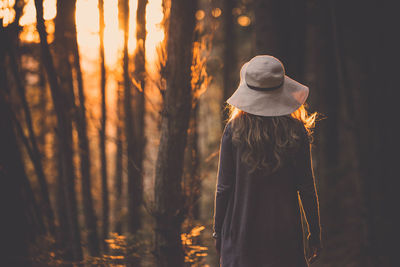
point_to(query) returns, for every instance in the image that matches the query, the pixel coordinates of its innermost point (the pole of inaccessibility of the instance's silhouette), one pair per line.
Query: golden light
(87, 20)
(7, 13)
(244, 21)
(216, 12)
(29, 12)
(87, 24)
(155, 32)
(200, 14)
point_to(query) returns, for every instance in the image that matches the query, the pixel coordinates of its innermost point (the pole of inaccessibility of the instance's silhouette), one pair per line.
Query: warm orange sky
(87, 19)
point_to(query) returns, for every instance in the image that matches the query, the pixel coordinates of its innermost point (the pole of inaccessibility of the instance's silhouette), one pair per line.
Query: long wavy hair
(267, 142)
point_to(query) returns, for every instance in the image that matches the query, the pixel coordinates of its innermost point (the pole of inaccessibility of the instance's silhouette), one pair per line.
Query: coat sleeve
(307, 189)
(225, 179)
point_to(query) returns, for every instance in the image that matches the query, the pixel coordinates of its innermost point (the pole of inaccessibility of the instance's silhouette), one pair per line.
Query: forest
(111, 115)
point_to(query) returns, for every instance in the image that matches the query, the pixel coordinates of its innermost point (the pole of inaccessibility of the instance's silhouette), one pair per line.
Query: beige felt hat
(265, 90)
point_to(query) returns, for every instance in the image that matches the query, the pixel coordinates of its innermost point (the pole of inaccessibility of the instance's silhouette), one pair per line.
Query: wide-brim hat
(265, 90)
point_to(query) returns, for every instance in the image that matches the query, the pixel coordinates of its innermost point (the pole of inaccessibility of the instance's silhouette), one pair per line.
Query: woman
(265, 175)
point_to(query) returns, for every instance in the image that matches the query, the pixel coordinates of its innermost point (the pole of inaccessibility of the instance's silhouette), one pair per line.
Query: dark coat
(258, 215)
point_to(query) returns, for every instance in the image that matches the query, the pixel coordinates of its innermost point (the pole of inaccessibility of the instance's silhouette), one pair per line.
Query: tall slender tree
(229, 54)
(128, 126)
(118, 173)
(132, 123)
(36, 157)
(61, 107)
(368, 110)
(84, 150)
(277, 35)
(103, 159)
(325, 98)
(137, 144)
(16, 229)
(191, 178)
(169, 206)
(199, 83)
(63, 227)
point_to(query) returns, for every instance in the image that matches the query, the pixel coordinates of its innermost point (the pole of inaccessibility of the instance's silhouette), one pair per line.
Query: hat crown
(264, 72)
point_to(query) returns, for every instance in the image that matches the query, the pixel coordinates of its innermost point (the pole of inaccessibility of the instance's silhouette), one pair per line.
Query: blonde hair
(267, 142)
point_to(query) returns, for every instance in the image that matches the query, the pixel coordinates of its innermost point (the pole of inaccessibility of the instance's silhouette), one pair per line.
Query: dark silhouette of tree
(325, 98)
(67, 47)
(64, 134)
(276, 33)
(169, 206)
(229, 54)
(191, 178)
(84, 150)
(137, 143)
(368, 113)
(16, 231)
(128, 119)
(118, 163)
(199, 83)
(11, 45)
(102, 144)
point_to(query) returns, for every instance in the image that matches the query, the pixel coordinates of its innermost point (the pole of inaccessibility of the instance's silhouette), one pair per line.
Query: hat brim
(278, 102)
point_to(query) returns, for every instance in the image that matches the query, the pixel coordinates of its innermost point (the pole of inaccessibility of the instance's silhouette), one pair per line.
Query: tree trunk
(84, 150)
(61, 106)
(129, 137)
(118, 165)
(43, 129)
(132, 168)
(136, 139)
(325, 98)
(370, 110)
(229, 55)
(169, 205)
(37, 215)
(192, 179)
(36, 156)
(63, 239)
(16, 229)
(11, 43)
(103, 159)
(277, 35)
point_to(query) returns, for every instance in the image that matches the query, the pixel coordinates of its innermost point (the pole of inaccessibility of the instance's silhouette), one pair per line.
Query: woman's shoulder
(228, 129)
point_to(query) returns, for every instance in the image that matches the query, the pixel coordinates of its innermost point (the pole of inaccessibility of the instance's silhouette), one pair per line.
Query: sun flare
(87, 21)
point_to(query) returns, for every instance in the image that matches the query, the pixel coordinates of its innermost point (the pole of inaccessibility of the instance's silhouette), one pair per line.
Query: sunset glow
(87, 20)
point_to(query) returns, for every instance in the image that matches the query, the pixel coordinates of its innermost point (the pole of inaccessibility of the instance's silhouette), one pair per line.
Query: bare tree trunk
(133, 178)
(36, 214)
(169, 198)
(277, 35)
(103, 159)
(16, 231)
(325, 99)
(369, 113)
(61, 106)
(63, 227)
(229, 54)
(118, 165)
(192, 177)
(129, 138)
(35, 154)
(136, 142)
(42, 109)
(84, 150)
